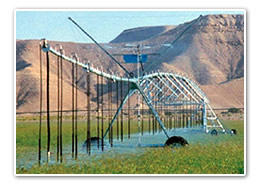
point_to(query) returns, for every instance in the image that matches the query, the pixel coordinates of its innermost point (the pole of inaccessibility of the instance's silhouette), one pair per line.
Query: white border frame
(137, 175)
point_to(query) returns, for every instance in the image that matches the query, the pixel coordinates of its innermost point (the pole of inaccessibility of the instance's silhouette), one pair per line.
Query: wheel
(176, 141)
(92, 141)
(214, 132)
(233, 132)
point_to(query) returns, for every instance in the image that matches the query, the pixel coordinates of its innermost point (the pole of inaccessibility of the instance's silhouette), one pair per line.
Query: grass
(223, 154)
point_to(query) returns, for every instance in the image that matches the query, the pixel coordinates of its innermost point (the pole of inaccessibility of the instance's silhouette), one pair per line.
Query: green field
(222, 154)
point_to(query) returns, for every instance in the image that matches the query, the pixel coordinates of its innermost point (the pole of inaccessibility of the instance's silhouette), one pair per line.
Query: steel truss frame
(163, 88)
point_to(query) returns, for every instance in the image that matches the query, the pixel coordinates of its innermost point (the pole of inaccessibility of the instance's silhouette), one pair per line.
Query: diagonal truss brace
(148, 102)
(128, 95)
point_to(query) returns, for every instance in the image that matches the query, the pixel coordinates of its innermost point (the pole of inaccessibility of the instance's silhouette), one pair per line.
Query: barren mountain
(141, 33)
(211, 53)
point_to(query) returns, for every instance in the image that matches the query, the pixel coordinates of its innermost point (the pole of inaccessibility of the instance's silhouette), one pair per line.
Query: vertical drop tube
(156, 123)
(170, 118)
(76, 114)
(88, 115)
(98, 111)
(61, 108)
(72, 97)
(102, 114)
(149, 120)
(129, 121)
(40, 124)
(117, 105)
(108, 109)
(153, 123)
(178, 116)
(111, 108)
(48, 107)
(161, 113)
(58, 109)
(121, 94)
(110, 87)
(190, 115)
(142, 113)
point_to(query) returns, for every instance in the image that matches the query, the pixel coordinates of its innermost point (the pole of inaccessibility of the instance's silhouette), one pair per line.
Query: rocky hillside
(211, 53)
(141, 34)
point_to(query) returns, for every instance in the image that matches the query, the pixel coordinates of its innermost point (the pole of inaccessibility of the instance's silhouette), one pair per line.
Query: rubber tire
(233, 131)
(93, 140)
(214, 132)
(176, 141)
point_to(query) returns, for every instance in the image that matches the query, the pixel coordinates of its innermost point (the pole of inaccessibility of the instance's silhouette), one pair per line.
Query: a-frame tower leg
(149, 104)
(128, 95)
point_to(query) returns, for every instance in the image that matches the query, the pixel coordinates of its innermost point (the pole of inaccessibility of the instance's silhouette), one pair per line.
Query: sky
(104, 26)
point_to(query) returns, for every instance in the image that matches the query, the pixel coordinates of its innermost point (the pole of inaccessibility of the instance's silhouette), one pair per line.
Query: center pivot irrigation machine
(173, 101)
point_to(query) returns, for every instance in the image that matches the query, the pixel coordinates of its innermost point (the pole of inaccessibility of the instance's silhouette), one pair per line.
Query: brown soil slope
(226, 95)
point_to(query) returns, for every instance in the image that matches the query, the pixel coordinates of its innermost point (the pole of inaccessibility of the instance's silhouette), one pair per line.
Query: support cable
(171, 45)
(106, 52)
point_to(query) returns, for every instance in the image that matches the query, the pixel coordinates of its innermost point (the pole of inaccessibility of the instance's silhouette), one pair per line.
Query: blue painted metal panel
(132, 58)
